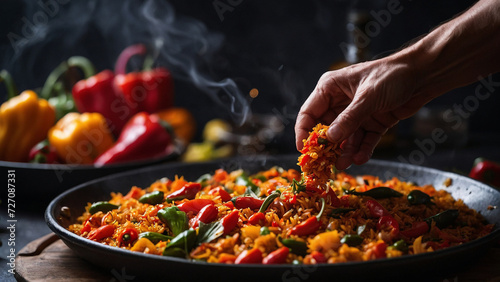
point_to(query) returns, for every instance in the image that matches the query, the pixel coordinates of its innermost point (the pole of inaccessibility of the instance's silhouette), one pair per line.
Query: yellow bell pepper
(80, 138)
(24, 121)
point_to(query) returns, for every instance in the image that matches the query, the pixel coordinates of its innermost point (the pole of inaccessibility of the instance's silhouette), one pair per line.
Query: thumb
(348, 121)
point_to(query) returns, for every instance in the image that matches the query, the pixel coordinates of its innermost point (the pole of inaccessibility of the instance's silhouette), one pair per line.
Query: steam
(183, 45)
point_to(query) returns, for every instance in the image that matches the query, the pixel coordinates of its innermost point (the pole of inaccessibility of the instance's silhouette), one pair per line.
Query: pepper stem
(126, 54)
(9, 83)
(269, 199)
(84, 64)
(323, 204)
(52, 79)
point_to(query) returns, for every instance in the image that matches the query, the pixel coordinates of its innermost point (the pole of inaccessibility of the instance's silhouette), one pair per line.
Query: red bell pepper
(101, 232)
(278, 256)
(98, 94)
(486, 171)
(150, 90)
(249, 256)
(247, 202)
(143, 137)
(318, 257)
(207, 214)
(188, 191)
(194, 205)
(257, 218)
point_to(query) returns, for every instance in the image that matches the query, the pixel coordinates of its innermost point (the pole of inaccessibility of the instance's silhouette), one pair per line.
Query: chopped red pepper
(311, 225)
(389, 221)
(379, 250)
(227, 258)
(229, 205)
(293, 199)
(376, 209)
(318, 257)
(101, 232)
(278, 256)
(257, 218)
(134, 193)
(344, 201)
(127, 236)
(207, 214)
(417, 229)
(188, 191)
(331, 198)
(220, 175)
(194, 205)
(249, 256)
(86, 227)
(143, 137)
(230, 221)
(247, 202)
(224, 195)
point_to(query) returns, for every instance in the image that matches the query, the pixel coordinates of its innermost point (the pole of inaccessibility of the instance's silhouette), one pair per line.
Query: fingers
(348, 121)
(350, 148)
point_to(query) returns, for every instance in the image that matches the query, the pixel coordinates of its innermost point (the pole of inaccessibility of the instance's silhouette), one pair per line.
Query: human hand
(361, 102)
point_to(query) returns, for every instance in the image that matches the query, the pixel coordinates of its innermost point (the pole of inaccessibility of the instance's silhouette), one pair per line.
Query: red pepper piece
(86, 227)
(194, 205)
(230, 221)
(143, 137)
(97, 94)
(127, 236)
(207, 214)
(224, 195)
(278, 256)
(311, 225)
(101, 232)
(486, 171)
(229, 205)
(379, 250)
(248, 202)
(389, 221)
(331, 198)
(376, 209)
(257, 218)
(417, 229)
(305, 158)
(344, 201)
(43, 153)
(188, 191)
(318, 257)
(293, 199)
(253, 256)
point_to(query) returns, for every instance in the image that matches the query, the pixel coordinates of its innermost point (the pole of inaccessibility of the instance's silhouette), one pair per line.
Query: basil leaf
(209, 232)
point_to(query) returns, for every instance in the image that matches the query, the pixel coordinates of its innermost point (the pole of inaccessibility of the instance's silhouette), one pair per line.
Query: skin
(361, 102)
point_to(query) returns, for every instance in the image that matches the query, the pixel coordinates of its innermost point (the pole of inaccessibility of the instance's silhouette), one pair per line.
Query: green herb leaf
(209, 232)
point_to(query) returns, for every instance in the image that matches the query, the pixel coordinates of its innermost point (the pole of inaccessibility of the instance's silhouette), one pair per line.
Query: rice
(298, 202)
(319, 155)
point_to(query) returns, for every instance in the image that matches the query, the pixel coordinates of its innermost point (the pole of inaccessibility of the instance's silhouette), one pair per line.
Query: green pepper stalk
(376, 193)
(174, 218)
(6, 78)
(259, 217)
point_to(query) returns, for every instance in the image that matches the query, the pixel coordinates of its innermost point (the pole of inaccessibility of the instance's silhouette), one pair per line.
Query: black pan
(426, 267)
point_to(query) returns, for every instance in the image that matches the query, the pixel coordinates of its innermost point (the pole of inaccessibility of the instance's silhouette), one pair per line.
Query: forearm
(458, 52)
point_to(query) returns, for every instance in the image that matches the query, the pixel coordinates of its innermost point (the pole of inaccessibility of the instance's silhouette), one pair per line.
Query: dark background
(279, 47)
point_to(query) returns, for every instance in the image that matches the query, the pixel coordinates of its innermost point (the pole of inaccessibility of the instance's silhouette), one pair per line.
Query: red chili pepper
(379, 250)
(305, 158)
(220, 175)
(389, 221)
(229, 205)
(311, 225)
(127, 236)
(188, 191)
(318, 257)
(275, 224)
(331, 198)
(207, 214)
(486, 171)
(257, 218)
(194, 205)
(224, 195)
(150, 90)
(101, 232)
(86, 227)
(43, 153)
(417, 229)
(247, 202)
(143, 137)
(249, 256)
(97, 94)
(278, 256)
(230, 221)
(312, 140)
(376, 209)
(293, 199)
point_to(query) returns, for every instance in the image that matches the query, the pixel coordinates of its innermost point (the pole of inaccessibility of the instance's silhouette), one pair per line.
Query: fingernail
(334, 133)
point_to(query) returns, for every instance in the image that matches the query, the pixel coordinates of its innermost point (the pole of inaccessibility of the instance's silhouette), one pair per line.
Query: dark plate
(423, 266)
(45, 181)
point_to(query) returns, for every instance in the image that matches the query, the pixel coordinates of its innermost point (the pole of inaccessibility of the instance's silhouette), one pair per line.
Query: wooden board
(49, 259)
